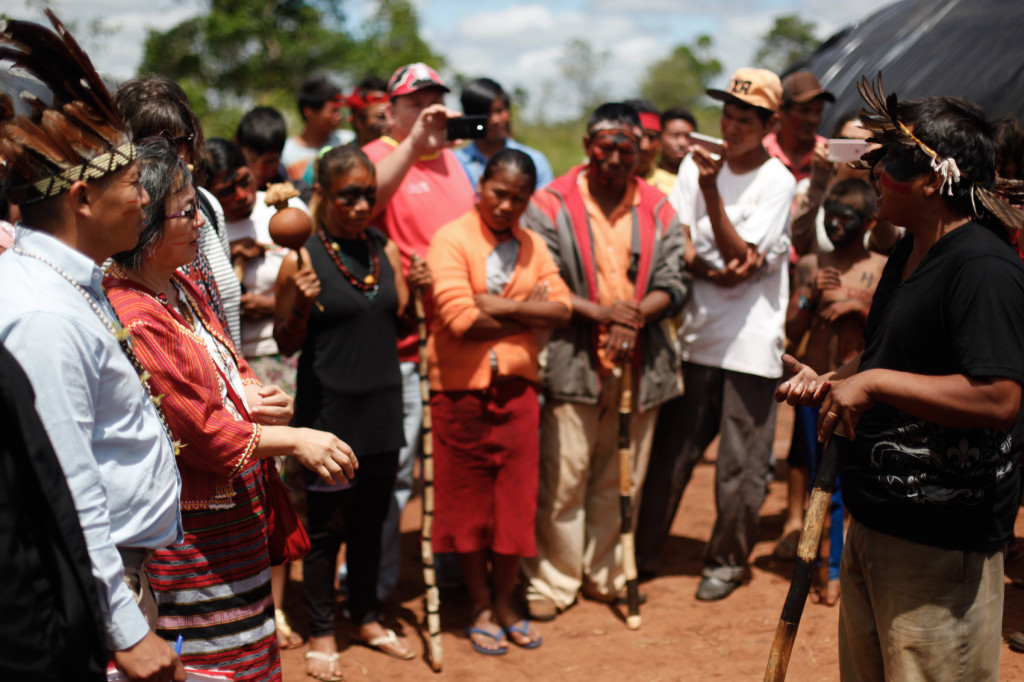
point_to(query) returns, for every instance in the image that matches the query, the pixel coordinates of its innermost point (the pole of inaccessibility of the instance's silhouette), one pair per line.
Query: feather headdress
(80, 136)
(881, 119)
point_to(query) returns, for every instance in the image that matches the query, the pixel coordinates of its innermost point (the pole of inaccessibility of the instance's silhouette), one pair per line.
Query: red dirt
(681, 638)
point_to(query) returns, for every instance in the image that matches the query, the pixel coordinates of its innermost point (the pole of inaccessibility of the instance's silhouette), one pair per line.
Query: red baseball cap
(412, 77)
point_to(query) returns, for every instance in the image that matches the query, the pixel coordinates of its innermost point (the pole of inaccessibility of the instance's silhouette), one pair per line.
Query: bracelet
(804, 303)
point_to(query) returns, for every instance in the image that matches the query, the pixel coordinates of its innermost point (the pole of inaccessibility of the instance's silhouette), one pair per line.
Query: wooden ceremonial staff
(806, 554)
(625, 500)
(431, 597)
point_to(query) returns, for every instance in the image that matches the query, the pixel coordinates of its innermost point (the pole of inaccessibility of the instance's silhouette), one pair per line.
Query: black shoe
(713, 589)
(1016, 641)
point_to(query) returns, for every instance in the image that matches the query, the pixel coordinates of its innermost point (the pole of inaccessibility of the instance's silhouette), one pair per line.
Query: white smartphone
(845, 151)
(711, 144)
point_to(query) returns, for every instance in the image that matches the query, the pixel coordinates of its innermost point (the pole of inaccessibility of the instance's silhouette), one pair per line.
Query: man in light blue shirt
(484, 97)
(55, 319)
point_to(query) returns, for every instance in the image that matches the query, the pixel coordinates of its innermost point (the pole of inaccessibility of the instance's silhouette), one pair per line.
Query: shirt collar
(74, 263)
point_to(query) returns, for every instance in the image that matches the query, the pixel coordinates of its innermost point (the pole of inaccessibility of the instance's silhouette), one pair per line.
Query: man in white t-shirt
(735, 208)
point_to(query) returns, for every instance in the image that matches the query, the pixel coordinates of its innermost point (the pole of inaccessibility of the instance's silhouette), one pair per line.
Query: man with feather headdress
(72, 170)
(927, 418)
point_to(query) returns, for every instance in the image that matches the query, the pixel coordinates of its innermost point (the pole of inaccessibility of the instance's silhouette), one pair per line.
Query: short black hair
(478, 95)
(867, 200)
(1009, 139)
(643, 106)
(615, 112)
(315, 92)
(222, 156)
(678, 113)
(262, 130)
(764, 115)
(952, 127)
(516, 160)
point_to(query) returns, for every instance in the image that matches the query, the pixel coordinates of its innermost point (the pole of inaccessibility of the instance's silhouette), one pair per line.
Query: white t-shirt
(740, 328)
(261, 272)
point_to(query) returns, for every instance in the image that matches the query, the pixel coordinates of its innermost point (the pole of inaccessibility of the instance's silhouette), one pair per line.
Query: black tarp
(969, 48)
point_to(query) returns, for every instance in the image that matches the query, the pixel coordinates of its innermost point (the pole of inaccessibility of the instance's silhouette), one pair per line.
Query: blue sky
(517, 43)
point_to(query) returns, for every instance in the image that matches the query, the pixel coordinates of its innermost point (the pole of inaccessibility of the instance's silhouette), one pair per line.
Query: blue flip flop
(496, 636)
(523, 630)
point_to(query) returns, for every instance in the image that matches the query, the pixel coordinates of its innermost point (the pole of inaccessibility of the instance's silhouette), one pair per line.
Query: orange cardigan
(458, 263)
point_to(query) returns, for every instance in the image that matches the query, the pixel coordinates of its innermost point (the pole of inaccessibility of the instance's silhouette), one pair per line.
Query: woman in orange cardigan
(495, 287)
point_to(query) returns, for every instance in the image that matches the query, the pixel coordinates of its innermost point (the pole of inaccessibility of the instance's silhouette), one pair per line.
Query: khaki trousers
(578, 517)
(914, 613)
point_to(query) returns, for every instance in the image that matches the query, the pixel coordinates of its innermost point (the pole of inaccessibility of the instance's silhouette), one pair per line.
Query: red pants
(486, 458)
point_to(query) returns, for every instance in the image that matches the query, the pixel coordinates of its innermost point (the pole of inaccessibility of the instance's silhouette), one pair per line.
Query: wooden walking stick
(806, 554)
(625, 499)
(431, 597)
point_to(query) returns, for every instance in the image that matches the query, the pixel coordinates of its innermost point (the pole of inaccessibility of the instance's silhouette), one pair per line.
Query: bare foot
(486, 634)
(322, 659)
(518, 629)
(785, 548)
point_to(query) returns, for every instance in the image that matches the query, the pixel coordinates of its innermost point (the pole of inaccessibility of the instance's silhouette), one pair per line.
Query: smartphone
(845, 151)
(711, 144)
(467, 128)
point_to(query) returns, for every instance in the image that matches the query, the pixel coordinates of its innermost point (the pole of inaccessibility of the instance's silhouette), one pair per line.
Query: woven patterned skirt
(214, 588)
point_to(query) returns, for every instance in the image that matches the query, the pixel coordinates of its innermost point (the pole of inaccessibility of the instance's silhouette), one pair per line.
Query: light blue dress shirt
(473, 162)
(118, 461)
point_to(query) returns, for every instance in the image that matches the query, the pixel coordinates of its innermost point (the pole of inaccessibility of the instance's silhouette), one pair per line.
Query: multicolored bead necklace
(370, 284)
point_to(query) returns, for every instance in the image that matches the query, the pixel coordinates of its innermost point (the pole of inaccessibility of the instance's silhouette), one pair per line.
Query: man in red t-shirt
(420, 187)
(803, 100)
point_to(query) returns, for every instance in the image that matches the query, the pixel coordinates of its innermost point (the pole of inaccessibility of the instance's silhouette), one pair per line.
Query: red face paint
(888, 182)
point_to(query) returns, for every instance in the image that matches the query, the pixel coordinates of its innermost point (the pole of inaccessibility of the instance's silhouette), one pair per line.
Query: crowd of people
(197, 384)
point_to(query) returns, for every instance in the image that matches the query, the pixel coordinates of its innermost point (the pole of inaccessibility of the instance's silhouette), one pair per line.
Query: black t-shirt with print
(961, 311)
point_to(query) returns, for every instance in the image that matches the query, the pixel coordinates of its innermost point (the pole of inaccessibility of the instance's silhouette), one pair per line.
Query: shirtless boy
(825, 325)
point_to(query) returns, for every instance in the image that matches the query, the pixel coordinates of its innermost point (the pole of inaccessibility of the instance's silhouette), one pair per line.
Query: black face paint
(842, 224)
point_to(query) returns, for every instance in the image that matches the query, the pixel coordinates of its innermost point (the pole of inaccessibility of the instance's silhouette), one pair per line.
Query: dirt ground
(680, 639)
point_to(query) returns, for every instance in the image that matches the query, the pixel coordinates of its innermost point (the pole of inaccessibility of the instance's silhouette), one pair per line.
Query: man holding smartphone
(794, 144)
(735, 209)
(420, 187)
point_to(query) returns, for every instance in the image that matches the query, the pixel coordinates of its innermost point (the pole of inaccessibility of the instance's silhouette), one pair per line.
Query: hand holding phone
(467, 128)
(712, 145)
(845, 151)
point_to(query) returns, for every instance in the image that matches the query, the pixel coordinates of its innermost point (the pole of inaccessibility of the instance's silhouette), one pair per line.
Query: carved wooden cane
(806, 555)
(625, 499)
(431, 597)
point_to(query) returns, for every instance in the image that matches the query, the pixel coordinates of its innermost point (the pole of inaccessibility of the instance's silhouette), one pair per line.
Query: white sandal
(330, 660)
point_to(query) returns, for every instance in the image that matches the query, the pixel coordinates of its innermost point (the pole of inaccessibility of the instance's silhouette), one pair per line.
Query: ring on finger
(832, 414)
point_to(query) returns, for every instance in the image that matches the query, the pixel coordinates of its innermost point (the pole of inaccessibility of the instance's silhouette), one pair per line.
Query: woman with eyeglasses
(341, 307)
(154, 106)
(213, 589)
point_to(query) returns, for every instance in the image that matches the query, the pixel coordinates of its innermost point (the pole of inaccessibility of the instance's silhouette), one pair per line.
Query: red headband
(358, 101)
(650, 121)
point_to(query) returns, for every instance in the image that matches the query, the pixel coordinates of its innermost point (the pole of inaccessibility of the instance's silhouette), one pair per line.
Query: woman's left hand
(419, 274)
(270, 405)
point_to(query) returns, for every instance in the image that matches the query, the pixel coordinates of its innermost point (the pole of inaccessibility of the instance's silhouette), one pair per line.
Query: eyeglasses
(350, 197)
(189, 213)
(241, 179)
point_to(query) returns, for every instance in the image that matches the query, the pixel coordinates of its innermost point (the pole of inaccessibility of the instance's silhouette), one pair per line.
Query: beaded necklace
(370, 284)
(123, 337)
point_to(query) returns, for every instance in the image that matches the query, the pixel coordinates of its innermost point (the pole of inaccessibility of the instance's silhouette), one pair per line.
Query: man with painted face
(619, 248)
(797, 139)
(827, 313)
(931, 408)
(735, 207)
